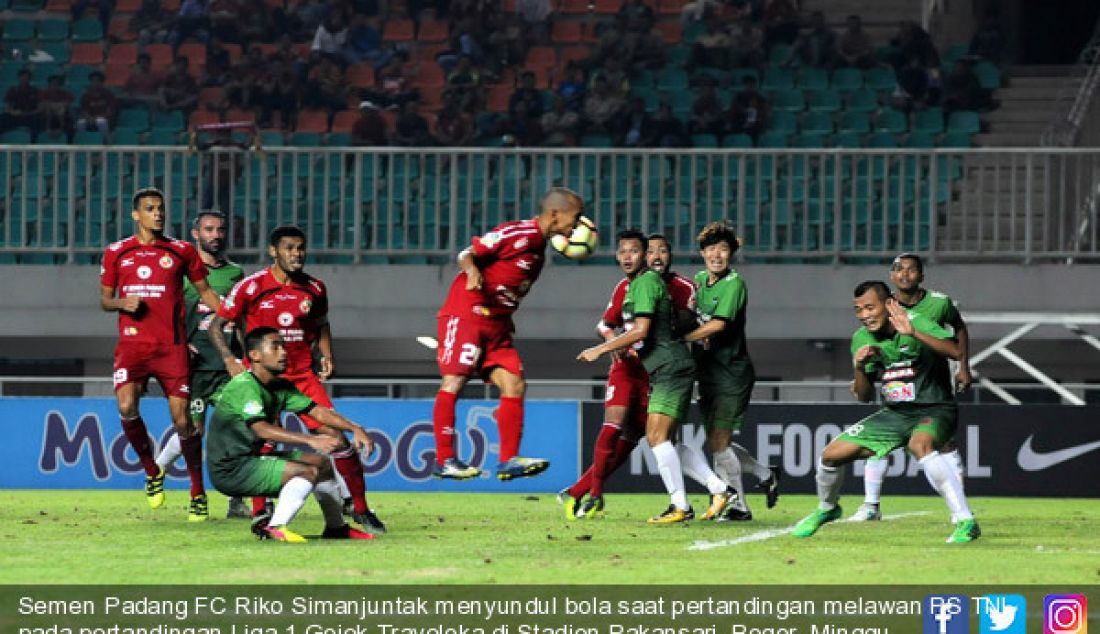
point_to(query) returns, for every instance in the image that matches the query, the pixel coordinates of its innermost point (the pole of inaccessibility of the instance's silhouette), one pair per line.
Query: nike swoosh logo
(1031, 460)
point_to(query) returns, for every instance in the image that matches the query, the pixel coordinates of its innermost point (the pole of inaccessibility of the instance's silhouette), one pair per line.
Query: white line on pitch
(760, 536)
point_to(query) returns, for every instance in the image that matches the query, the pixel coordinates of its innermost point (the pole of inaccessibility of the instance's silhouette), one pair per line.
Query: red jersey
(682, 291)
(680, 288)
(510, 258)
(298, 309)
(154, 272)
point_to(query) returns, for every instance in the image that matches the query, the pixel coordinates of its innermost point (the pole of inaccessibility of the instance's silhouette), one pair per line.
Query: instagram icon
(1065, 614)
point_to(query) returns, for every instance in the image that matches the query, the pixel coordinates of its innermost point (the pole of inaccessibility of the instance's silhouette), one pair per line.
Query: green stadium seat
(919, 139)
(892, 121)
(824, 101)
(88, 138)
(61, 52)
(817, 123)
(848, 139)
(27, 6)
(87, 30)
(704, 141)
(813, 78)
(779, 54)
(954, 53)
(783, 122)
(18, 30)
(595, 140)
(989, 76)
(928, 121)
(863, 100)
(789, 100)
(807, 140)
(956, 139)
(134, 117)
(777, 79)
(736, 141)
(42, 72)
(854, 122)
(964, 121)
(882, 140)
(165, 136)
(672, 79)
(880, 78)
(52, 30)
(773, 139)
(172, 121)
(738, 75)
(678, 56)
(271, 138)
(127, 136)
(847, 79)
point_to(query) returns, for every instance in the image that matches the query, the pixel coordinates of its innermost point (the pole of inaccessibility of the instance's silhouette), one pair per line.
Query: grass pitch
(111, 537)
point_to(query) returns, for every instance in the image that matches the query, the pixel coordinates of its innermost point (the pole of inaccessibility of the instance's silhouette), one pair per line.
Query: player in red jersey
(626, 395)
(285, 297)
(475, 330)
(142, 280)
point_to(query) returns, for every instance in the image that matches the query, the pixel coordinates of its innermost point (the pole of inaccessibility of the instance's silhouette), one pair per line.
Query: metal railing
(1076, 119)
(63, 204)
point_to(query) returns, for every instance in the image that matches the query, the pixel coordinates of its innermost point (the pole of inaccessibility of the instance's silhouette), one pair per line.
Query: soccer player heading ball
(475, 330)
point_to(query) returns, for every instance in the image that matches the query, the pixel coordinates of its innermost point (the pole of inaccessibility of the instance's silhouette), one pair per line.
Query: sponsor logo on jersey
(267, 304)
(285, 319)
(899, 391)
(305, 306)
(124, 262)
(898, 373)
(130, 331)
(144, 272)
(521, 243)
(253, 408)
(120, 376)
(524, 264)
(166, 262)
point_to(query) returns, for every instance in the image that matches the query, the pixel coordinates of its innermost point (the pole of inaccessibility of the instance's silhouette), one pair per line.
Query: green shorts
(254, 475)
(888, 429)
(724, 395)
(206, 386)
(670, 389)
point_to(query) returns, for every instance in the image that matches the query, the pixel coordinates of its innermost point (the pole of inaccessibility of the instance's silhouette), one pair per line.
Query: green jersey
(647, 296)
(222, 279)
(725, 299)
(937, 307)
(244, 401)
(909, 371)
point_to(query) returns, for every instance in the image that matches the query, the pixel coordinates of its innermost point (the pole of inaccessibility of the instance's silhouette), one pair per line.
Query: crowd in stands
(473, 72)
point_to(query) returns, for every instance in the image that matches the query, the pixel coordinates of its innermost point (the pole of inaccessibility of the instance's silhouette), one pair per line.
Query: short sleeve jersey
(155, 273)
(244, 402)
(910, 373)
(725, 299)
(647, 296)
(937, 307)
(221, 279)
(510, 258)
(298, 309)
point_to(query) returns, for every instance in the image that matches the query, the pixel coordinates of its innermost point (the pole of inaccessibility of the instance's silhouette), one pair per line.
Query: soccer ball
(580, 243)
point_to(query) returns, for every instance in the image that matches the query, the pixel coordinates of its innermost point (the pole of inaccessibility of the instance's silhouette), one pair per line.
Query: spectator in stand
(989, 42)
(713, 48)
(665, 129)
(364, 44)
(816, 46)
(560, 125)
(706, 113)
(601, 106)
(216, 71)
(178, 90)
(98, 107)
(916, 88)
(392, 88)
(913, 42)
(529, 95)
(370, 129)
(279, 92)
(192, 21)
(305, 16)
(507, 42)
(572, 88)
(854, 46)
(225, 16)
(644, 50)
(747, 48)
(143, 84)
(325, 85)
(633, 125)
(102, 9)
(963, 91)
(636, 16)
(455, 126)
(781, 22)
(748, 112)
(331, 37)
(246, 79)
(152, 23)
(536, 17)
(464, 84)
(256, 23)
(56, 102)
(412, 128)
(610, 44)
(618, 80)
(21, 105)
(526, 128)
(286, 53)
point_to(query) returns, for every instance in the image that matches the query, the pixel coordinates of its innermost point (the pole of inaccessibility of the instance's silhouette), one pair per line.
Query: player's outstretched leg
(668, 464)
(942, 476)
(509, 417)
(331, 502)
(874, 472)
(134, 429)
(447, 465)
(768, 478)
(829, 480)
(695, 466)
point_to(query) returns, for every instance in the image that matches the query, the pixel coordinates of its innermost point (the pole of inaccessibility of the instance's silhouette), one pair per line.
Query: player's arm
(110, 303)
(324, 345)
(467, 263)
(207, 294)
(276, 434)
(963, 378)
(863, 385)
(713, 326)
(216, 332)
(637, 332)
(899, 317)
(359, 436)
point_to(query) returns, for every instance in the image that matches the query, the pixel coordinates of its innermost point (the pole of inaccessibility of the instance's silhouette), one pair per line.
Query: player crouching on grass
(247, 415)
(908, 353)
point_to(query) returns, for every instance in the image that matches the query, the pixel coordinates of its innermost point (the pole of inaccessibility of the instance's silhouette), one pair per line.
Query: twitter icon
(1002, 614)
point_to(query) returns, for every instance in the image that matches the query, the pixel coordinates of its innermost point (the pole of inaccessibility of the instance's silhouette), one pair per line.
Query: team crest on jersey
(166, 262)
(490, 239)
(521, 243)
(144, 272)
(228, 303)
(285, 319)
(253, 408)
(305, 306)
(130, 331)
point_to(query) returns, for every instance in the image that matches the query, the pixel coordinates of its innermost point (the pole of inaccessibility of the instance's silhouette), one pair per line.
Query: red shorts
(309, 383)
(476, 346)
(628, 386)
(168, 364)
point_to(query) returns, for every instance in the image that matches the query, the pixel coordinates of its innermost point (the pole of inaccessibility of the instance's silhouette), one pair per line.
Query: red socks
(260, 502)
(351, 470)
(138, 436)
(605, 449)
(191, 448)
(510, 426)
(443, 424)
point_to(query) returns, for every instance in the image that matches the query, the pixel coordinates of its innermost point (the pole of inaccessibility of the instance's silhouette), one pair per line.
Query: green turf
(112, 537)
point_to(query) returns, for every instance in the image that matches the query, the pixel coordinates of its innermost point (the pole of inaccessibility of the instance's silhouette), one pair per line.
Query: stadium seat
(737, 141)
(172, 120)
(738, 75)
(807, 140)
(880, 78)
(813, 78)
(920, 139)
(892, 121)
(87, 53)
(360, 75)
(847, 79)
(52, 30)
(863, 101)
(670, 32)
(989, 76)
(789, 100)
(430, 76)
(854, 122)
(566, 32)
(824, 101)
(432, 31)
(116, 74)
(202, 117)
(672, 79)
(782, 121)
(541, 56)
(18, 30)
(573, 6)
(595, 140)
(817, 123)
(193, 51)
(126, 136)
(127, 6)
(777, 79)
(136, 117)
(882, 139)
(398, 31)
(956, 139)
(704, 141)
(122, 55)
(118, 30)
(59, 51)
(87, 30)
(161, 56)
(88, 137)
(315, 121)
(40, 73)
(848, 139)
(773, 139)
(779, 54)
(965, 121)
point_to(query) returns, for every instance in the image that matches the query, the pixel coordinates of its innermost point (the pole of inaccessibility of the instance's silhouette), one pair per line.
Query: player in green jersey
(649, 313)
(247, 414)
(907, 273)
(907, 353)
(723, 368)
(208, 373)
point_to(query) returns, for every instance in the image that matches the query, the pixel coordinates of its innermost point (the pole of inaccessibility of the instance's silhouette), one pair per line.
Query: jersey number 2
(469, 354)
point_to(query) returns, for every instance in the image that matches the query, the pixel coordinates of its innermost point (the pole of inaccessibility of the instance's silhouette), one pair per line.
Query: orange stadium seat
(116, 74)
(431, 100)
(127, 6)
(312, 121)
(87, 53)
(541, 57)
(574, 54)
(669, 7)
(509, 6)
(574, 6)
(542, 75)
(433, 31)
(119, 30)
(566, 32)
(426, 53)
(194, 52)
(161, 55)
(344, 120)
(211, 95)
(360, 75)
(430, 75)
(122, 55)
(234, 51)
(59, 6)
(171, 6)
(203, 117)
(499, 96)
(670, 31)
(398, 31)
(265, 48)
(608, 6)
(237, 115)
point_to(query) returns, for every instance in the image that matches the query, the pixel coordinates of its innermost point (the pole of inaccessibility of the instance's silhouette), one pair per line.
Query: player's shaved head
(254, 340)
(913, 258)
(561, 197)
(881, 290)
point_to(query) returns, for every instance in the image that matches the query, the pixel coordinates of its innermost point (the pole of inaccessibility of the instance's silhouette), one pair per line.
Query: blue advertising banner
(77, 443)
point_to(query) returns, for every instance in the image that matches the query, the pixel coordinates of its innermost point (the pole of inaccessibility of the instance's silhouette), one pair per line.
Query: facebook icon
(946, 614)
